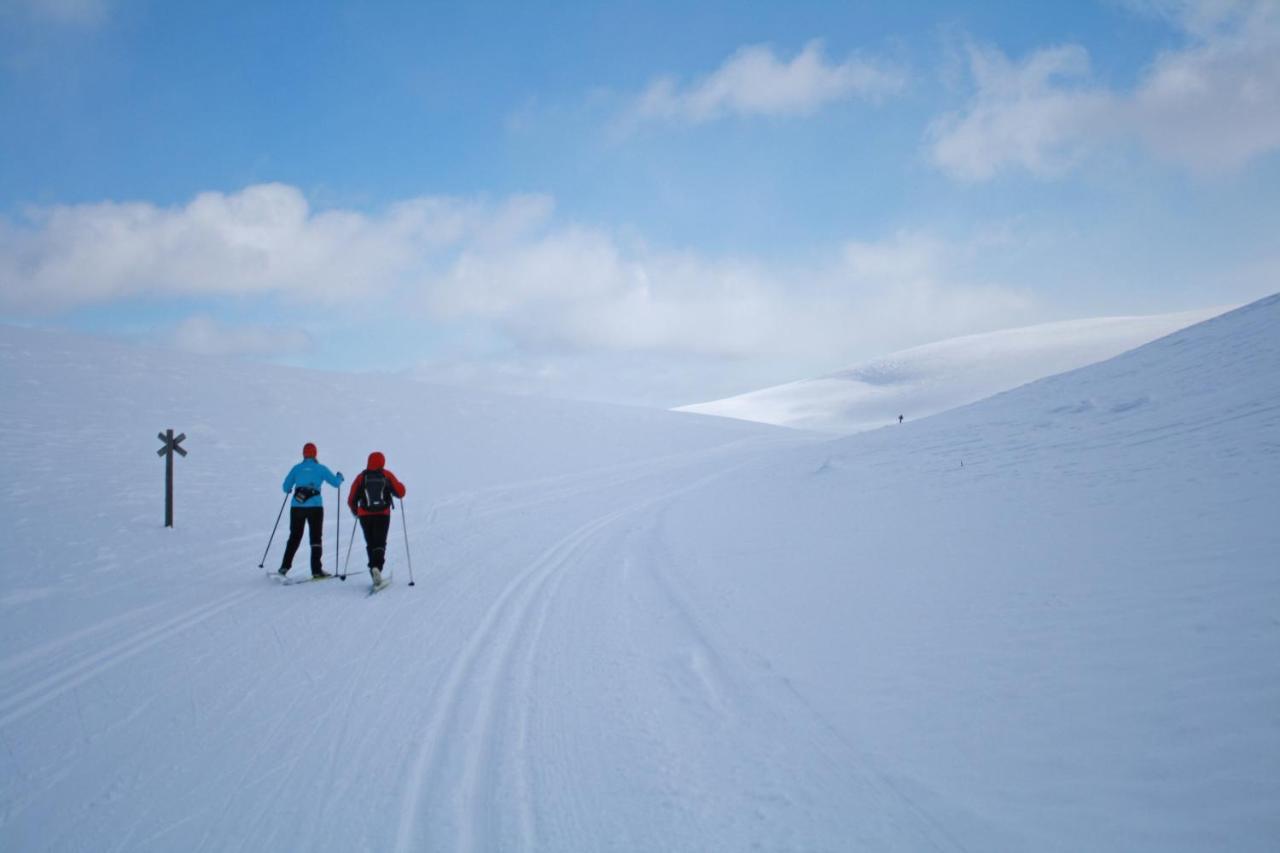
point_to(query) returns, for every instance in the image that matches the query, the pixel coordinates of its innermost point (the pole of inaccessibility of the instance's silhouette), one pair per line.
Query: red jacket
(376, 461)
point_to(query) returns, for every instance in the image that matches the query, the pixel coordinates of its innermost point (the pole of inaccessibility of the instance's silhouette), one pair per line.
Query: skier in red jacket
(370, 499)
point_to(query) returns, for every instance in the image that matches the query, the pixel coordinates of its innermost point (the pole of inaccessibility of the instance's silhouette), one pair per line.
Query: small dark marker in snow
(171, 443)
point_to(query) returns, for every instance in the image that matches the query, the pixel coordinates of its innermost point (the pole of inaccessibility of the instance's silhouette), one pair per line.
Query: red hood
(376, 461)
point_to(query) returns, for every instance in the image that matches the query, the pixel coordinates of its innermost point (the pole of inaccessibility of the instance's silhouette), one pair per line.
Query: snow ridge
(929, 379)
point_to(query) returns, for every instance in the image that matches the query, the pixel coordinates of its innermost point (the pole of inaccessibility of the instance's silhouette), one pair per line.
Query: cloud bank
(263, 239)
(508, 266)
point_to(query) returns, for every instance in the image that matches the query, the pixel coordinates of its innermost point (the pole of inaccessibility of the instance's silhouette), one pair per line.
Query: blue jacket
(311, 473)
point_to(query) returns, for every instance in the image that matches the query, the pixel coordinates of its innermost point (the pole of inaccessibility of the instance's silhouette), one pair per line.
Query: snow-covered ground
(1045, 621)
(928, 379)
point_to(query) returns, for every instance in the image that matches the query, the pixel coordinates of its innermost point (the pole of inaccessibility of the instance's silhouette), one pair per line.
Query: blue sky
(638, 202)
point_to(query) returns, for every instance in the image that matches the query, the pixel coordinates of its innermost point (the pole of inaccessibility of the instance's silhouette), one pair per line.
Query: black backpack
(375, 493)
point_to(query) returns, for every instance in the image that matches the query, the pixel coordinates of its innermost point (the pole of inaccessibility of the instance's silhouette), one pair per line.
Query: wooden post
(171, 443)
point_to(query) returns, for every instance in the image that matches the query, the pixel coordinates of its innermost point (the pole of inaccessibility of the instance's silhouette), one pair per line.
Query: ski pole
(347, 562)
(405, 525)
(279, 515)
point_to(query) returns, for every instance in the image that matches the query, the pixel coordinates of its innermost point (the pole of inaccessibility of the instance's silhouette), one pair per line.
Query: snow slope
(1045, 621)
(928, 379)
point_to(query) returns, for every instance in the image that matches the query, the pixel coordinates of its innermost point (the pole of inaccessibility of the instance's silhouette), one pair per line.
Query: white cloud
(756, 82)
(586, 290)
(1033, 115)
(932, 288)
(1210, 106)
(263, 239)
(583, 288)
(1215, 105)
(594, 316)
(506, 271)
(204, 335)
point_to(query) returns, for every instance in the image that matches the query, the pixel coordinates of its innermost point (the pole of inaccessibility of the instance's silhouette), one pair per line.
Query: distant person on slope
(370, 499)
(307, 508)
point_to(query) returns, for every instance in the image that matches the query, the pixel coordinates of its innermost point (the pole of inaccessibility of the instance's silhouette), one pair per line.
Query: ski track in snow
(474, 745)
(38, 654)
(496, 664)
(477, 676)
(17, 705)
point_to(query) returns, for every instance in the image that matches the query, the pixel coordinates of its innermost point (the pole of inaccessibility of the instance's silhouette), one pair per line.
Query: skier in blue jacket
(307, 508)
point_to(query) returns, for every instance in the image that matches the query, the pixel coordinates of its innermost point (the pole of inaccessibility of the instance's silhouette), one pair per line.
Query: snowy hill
(928, 379)
(1044, 621)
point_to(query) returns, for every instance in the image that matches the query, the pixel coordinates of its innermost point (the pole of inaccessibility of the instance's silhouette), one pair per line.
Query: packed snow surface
(1046, 621)
(928, 379)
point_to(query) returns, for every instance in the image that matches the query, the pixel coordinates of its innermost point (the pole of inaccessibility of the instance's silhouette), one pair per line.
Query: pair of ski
(287, 581)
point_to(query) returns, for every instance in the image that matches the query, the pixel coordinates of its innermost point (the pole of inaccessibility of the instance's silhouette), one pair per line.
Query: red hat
(308, 451)
(376, 461)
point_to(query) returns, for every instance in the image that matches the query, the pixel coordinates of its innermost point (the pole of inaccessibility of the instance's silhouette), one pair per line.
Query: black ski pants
(375, 529)
(313, 518)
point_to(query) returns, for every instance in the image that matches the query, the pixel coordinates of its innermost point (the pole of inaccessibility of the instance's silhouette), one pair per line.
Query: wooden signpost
(171, 443)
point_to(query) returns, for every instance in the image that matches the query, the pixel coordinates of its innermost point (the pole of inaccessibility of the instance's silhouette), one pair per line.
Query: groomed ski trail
(17, 705)
(509, 630)
(488, 764)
